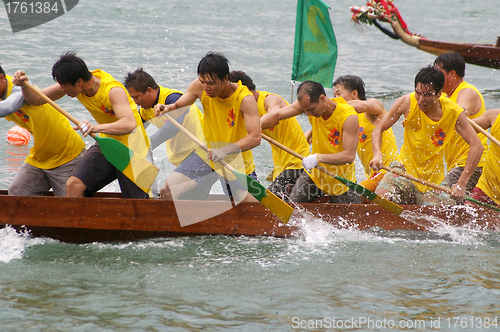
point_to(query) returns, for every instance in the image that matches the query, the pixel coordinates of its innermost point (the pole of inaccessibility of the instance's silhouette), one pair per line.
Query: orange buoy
(18, 135)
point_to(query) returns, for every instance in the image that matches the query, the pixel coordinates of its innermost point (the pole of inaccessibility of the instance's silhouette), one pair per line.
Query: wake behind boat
(109, 218)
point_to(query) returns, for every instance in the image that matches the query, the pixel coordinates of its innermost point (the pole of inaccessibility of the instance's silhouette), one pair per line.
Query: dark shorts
(306, 191)
(195, 168)
(284, 182)
(403, 191)
(96, 172)
(454, 174)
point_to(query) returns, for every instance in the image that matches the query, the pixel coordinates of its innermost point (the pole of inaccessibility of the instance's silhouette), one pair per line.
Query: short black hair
(312, 89)
(432, 76)
(215, 65)
(140, 81)
(238, 75)
(69, 69)
(451, 61)
(351, 83)
(1, 70)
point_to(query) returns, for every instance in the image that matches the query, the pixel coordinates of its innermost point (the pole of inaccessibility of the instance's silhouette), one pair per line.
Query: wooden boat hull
(485, 55)
(107, 218)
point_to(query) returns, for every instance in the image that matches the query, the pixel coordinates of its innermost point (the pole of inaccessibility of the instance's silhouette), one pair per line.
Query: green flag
(315, 50)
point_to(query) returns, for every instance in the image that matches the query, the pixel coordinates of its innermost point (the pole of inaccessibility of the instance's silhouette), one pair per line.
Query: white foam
(13, 243)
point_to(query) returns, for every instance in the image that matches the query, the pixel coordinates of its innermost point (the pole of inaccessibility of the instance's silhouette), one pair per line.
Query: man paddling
(57, 148)
(370, 113)
(287, 168)
(334, 141)
(429, 120)
(487, 189)
(230, 125)
(113, 110)
(146, 93)
(452, 65)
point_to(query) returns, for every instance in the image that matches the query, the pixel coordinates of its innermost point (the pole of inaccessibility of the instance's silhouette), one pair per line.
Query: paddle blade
(386, 204)
(132, 165)
(276, 205)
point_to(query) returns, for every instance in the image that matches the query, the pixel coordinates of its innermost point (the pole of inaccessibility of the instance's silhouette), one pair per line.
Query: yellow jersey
(425, 140)
(55, 140)
(456, 153)
(328, 139)
(101, 109)
(289, 133)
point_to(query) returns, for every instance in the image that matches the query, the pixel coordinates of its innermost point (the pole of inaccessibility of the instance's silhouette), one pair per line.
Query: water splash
(13, 243)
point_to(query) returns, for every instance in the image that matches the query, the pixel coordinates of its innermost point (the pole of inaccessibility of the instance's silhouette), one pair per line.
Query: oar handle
(53, 104)
(484, 132)
(435, 186)
(424, 182)
(295, 154)
(194, 138)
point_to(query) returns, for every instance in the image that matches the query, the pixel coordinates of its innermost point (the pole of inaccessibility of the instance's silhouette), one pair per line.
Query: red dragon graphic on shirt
(438, 138)
(230, 118)
(334, 137)
(105, 110)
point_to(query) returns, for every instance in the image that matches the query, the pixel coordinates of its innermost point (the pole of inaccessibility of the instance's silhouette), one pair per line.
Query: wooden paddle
(277, 206)
(435, 186)
(386, 204)
(130, 163)
(484, 132)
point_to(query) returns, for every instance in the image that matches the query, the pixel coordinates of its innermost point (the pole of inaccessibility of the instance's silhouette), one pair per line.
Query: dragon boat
(109, 218)
(376, 11)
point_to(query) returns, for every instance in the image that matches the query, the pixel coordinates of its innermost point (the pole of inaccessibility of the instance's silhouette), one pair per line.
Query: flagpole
(291, 96)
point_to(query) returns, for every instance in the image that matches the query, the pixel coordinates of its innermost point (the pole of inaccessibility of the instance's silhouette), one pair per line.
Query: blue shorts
(197, 169)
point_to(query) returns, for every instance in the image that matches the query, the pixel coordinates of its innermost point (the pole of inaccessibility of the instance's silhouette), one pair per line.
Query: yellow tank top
(488, 182)
(424, 141)
(456, 154)
(179, 146)
(223, 123)
(101, 109)
(327, 138)
(389, 148)
(289, 133)
(55, 141)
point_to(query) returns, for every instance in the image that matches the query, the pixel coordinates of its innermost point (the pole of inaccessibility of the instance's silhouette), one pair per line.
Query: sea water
(324, 278)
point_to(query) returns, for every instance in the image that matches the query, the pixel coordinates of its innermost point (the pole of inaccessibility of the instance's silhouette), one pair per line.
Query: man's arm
(470, 101)
(53, 91)
(193, 92)
(274, 103)
(464, 128)
(400, 107)
(168, 130)
(488, 118)
(349, 143)
(125, 123)
(251, 117)
(371, 106)
(13, 102)
(271, 119)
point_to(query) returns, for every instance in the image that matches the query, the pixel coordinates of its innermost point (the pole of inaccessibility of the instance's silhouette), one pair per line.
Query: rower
(57, 148)
(334, 141)
(113, 109)
(287, 168)
(370, 113)
(487, 189)
(430, 120)
(452, 65)
(230, 125)
(146, 93)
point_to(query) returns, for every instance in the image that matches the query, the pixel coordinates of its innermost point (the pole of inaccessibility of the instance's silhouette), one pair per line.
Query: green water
(443, 280)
